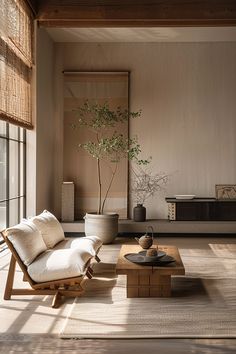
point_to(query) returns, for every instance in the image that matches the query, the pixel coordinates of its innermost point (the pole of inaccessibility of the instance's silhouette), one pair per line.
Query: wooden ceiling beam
(136, 13)
(33, 6)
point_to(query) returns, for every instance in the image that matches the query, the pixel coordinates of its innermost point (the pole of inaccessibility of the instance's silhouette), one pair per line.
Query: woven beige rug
(203, 303)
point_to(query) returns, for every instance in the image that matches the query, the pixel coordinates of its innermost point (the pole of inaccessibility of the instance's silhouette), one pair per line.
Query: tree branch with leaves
(107, 143)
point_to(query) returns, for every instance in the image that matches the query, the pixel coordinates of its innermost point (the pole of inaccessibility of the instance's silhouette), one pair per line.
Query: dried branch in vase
(146, 184)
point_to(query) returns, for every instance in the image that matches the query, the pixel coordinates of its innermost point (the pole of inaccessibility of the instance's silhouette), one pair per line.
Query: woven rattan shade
(16, 32)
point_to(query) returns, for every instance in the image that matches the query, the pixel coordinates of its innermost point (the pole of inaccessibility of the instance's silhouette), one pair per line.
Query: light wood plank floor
(30, 325)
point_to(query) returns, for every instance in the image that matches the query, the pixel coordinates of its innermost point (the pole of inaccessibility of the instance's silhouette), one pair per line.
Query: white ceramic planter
(104, 226)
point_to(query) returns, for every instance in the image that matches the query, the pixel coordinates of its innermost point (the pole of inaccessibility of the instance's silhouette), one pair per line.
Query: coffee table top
(124, 266)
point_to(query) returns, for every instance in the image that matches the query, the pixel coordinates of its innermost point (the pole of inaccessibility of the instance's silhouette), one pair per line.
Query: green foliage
(99, 116)
(114, 148)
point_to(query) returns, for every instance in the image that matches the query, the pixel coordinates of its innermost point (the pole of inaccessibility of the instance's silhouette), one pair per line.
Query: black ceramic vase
(139, 213)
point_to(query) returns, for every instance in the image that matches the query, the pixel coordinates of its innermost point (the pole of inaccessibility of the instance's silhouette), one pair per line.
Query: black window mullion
(11, 139)
(7, 176)
(24, 174)
(12, 198)
(19, 174)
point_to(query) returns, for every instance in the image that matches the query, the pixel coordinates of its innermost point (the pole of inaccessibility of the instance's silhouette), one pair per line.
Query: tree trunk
(99, 187)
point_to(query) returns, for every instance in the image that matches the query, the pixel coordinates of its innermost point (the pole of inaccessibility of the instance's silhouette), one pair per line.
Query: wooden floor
(30, 325)
(47, 344)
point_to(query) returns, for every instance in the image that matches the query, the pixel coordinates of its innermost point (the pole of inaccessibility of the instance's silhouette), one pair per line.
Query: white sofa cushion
(58, 264)
(49, 227)
(27, 241)
(88, 244)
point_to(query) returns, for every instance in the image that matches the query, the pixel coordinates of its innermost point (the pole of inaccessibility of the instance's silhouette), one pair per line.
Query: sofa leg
(89, 274)
(10, 279)
(56, 302)
(97, 258)
(90, 270)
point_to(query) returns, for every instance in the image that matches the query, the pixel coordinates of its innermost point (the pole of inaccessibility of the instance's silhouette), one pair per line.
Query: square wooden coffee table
(149, 281)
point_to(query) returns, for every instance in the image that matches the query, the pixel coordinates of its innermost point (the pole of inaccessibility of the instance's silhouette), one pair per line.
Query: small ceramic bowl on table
(151, 254)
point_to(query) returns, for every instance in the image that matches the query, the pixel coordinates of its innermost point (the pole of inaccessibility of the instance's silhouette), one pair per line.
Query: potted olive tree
(107, 144)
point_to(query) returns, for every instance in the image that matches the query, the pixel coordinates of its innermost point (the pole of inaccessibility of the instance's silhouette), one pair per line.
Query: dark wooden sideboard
(201, 209)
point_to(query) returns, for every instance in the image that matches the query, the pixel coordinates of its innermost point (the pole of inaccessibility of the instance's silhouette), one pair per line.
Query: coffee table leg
(160, 285)
(152, 285)
(132, 284)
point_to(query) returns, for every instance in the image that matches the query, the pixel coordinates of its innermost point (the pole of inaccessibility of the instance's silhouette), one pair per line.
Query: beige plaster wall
(45, 122)
(58, 129)
(187, 95)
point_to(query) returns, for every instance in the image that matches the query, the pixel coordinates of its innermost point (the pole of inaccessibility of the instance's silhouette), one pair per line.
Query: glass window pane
(22, 208)
(2, 128)
(3, 217)
(2, 169)
(22, 169)
(22, 134)
(13, 212)
(15, 186)
(13, 131)
(13, 169)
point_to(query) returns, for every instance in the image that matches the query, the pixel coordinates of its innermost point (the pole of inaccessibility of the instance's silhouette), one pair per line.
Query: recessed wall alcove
(111, 88)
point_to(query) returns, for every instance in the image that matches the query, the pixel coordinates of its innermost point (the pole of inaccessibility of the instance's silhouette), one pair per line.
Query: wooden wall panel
(81, 168)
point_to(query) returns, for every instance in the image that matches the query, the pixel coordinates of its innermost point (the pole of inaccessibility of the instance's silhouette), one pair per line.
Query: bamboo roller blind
(16, 33)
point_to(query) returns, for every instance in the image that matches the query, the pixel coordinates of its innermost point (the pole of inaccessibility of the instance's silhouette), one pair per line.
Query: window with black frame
(16, 63)
(12, 174)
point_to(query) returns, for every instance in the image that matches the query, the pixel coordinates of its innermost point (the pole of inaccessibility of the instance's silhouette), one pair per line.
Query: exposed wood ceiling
(135, 13)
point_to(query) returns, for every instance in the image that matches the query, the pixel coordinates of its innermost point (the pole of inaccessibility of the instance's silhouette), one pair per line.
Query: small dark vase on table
(139, 213)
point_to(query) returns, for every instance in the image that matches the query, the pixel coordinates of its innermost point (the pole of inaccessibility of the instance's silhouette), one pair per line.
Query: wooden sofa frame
(70, 287)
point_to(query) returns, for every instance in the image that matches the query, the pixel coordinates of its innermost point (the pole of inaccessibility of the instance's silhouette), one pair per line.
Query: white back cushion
(26, 240)
(49, 227)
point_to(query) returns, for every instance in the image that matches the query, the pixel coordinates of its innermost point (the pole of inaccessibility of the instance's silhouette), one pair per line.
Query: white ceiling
(155, 34)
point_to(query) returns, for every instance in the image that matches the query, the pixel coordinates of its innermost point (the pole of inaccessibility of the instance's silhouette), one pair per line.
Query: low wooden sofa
(51, 264)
